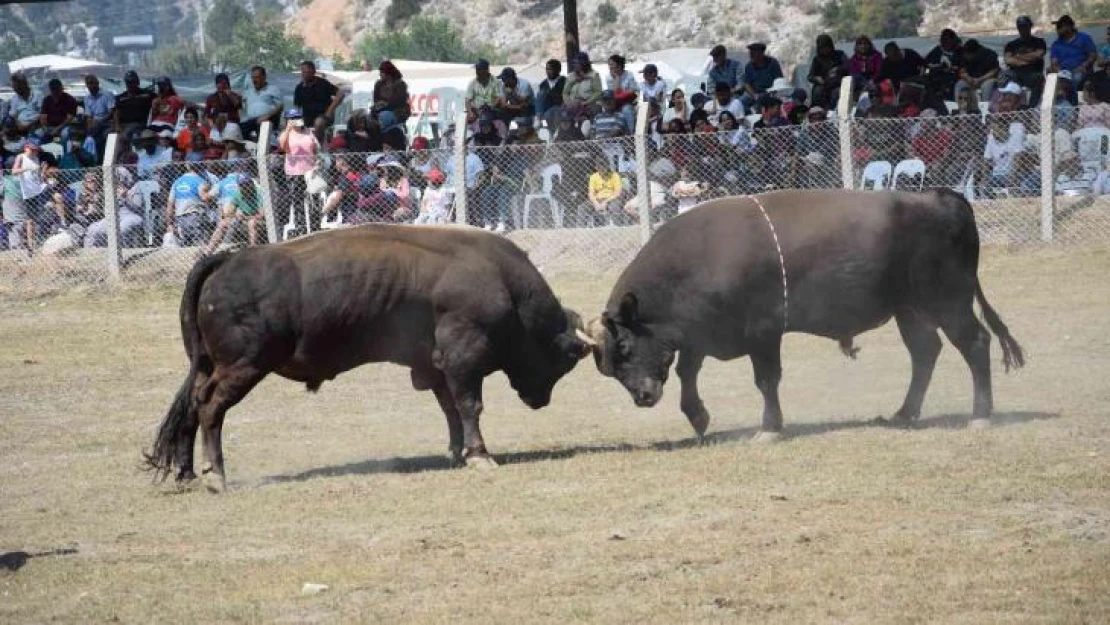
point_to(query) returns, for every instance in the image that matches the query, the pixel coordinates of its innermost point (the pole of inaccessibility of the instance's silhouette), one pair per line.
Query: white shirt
(25, 111)
(30, 181)
(657, 92)
(713, 108)
(1001, 155)
(626, 82)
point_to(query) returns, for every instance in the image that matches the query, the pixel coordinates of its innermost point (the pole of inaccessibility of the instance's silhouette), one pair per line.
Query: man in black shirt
(132, 106)
(1025, 59)
(979, 70)
(899, 64)
(945, 62)
(317, 98)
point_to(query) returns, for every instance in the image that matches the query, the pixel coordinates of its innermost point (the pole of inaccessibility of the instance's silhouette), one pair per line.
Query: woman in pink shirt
(300, 147)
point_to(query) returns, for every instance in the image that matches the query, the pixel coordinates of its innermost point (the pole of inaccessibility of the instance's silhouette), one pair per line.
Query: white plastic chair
(1093, 147)
(544, 135)
(984, 110)
(548, 177)
(878, 173)
(752, 119)
(909, 167)
(54, 149)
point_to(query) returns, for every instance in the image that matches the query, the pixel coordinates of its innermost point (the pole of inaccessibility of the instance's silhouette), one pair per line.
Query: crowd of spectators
(746, 130)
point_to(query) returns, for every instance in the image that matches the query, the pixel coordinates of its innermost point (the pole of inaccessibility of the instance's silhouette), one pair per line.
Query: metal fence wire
(576, 206)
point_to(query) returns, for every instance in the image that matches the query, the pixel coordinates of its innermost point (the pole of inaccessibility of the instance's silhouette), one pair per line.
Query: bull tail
(1012, 355)
(171, 433)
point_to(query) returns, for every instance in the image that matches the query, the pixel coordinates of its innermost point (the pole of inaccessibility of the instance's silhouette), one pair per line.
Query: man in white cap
(1009, 98)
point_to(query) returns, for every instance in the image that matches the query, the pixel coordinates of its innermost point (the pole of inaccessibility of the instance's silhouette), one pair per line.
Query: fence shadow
(417, 464)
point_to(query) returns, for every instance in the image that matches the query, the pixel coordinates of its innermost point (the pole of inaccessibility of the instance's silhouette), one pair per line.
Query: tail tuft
(1013, 357)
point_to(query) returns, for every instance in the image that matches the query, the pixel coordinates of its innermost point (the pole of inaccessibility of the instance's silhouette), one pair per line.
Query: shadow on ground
(14, 560)
(418, 464)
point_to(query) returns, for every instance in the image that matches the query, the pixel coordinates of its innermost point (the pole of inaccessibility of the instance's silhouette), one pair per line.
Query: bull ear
(629, 309)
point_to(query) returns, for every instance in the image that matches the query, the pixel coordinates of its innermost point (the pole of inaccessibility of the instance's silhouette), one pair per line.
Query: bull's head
(540, 365)
(632, 351)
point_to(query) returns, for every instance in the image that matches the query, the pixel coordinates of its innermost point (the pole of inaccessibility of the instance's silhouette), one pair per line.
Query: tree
(401, 10)
(607, 13)
(878, 19)
(424, 39)
(263, 41)
(224, 19)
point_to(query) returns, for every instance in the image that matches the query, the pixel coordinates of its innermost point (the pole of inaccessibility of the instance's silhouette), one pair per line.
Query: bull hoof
(979, 423)
(456, 457)
(481, 463)
(767, 438)
(700, 423)
(214, 482)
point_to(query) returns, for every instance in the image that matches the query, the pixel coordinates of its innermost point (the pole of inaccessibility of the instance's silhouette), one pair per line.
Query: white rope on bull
(782, 261)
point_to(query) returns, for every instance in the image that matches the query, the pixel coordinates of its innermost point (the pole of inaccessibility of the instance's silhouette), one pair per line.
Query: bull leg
(228, 387)
(924, 346)
(468, 401)
(188, 436)
(689, 365)
(767, 366)
(974, 342)
(454, 421)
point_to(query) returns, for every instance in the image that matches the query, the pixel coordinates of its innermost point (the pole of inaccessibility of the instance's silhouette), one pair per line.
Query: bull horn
(585, 338)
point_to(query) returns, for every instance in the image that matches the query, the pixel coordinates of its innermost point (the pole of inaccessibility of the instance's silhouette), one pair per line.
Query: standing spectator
(14, 209)
(980, 69)
(32, 187)
(826, 69)
(435, 205)
(166, 109)
(549, 96)
(262, 102)
(317, 99)
(759, 74)
(300, 146)
(653, 88)
(1074, 51)
(900, 65)
(25, 106)
(865, 64)
(582, 93)
(1024, 58)
(391, 98)
(185, 206)
(223, 100)
(516, 101)
(99, 105)
(944, 63)
(243, 202)
(133, 106)
(482, 89)
(59, 109)
(604, 193)
(677, 108)
(726, 70)
(625, 90)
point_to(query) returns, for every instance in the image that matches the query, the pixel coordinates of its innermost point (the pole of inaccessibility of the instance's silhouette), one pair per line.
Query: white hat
(1064, 74)
(781, 84)
(165, 134)
(1011, 88)
(232, 132)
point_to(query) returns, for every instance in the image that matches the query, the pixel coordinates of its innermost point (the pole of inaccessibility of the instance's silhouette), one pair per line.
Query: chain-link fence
(574, 205)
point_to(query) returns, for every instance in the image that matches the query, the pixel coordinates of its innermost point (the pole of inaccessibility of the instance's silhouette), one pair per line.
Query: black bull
(710, 283)
(454, 304)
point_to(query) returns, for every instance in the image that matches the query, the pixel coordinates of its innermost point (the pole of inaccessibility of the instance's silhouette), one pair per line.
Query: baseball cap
(1011, 88)
(1065, 75)
(1024, 20)
(757, 46)
(650, 68)
(718, 50)
(420, 143)
(482, 64)
(436, 176)
(131, 76)
(32, 142)
(1065, 20)
(165, 134)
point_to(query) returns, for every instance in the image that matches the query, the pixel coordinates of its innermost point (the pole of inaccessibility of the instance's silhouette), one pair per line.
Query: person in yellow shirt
(604, 192)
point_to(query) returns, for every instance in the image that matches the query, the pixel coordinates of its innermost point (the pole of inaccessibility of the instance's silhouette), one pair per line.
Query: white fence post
(643, 192)
(460, 167)
(844, 126)
(1048, 158)
(111, 211)
(262, 158)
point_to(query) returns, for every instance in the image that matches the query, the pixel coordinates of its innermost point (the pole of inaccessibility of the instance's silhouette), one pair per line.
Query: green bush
(607, 13)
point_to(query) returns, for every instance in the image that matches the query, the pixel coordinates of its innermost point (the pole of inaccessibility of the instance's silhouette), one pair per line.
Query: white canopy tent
(53, 63)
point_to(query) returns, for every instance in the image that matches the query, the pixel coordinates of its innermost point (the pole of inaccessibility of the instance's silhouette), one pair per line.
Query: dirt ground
(600, 512)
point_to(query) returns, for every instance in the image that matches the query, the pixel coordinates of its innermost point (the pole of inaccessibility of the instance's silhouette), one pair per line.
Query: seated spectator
(243, 203)
(604, 195)
(770, 115)
(818, 149)
(391, 107)
(932, 143)
(567, 130)
(234, 145)
(185, 210)
(1073, 51)
(1005, 142)
(722, 101)
(980, 69)
(734, 133)
(263, 103)
(608, 123)
(358, 137)
(1094, 113)
(677, 107)
(79, 150)
(1064, 112)
(316, 99)
(166, 108)
(582, 93)
(825, 71)
(59, 109)
(865, 64)
(944, 63)
(155, 151)
(223, 100)
(726, 70)
(653, 88)
(525, 133)
(61, 199)
(502, 178)
(435, 205)
(899, 65)
(25, 107)
(625, 90)
(1025, 58)
(486, 133)
(516, 100)
(759, 74)
(910, 101)
(795, 109)
(549, 96)
(129, 204)
(482, 91)
(89, 206)
(133, 107)
(192, 127)
(1008, 100)
(675, 127)
(688, 190)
